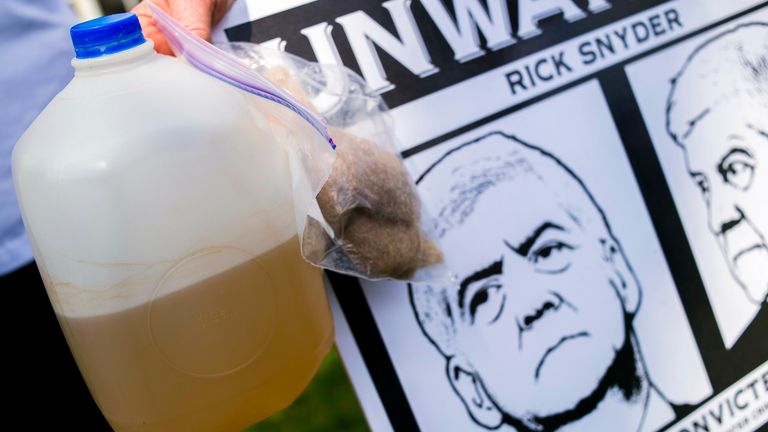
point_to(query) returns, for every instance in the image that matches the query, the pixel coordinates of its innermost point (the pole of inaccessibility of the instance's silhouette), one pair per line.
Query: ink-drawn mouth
(551, 349)
(746, 251)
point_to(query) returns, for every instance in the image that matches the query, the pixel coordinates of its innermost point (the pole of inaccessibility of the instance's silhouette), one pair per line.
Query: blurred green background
(328, 404)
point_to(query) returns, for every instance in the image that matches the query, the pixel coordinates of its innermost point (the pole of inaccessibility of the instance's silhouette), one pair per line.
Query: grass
(328, 404)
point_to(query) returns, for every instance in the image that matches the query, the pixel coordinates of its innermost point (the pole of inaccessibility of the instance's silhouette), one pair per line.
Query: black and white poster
(597, 175)
(707, 130)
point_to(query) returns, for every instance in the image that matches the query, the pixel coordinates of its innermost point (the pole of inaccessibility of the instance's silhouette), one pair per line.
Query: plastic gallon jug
(160, 210)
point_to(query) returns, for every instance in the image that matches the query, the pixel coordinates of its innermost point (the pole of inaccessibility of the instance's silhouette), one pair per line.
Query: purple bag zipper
(220, 65)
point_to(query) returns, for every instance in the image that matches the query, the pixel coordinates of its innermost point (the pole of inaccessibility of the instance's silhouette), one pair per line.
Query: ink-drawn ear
(470, 389)
(622, 278)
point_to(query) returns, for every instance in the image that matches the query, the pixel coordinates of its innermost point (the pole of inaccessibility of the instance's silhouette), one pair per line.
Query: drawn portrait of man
(537, 330)
(717, 113)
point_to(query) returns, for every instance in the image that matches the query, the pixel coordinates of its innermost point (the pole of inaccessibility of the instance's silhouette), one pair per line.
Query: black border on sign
(377, 361)
(718, 361)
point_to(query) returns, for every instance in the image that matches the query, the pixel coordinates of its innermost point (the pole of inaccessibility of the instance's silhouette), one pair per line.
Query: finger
(149, 28)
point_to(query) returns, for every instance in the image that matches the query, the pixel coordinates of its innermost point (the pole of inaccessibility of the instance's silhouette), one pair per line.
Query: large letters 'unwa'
(472, 17)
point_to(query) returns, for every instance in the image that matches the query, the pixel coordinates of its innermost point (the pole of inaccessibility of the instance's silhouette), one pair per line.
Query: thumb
(149, 28)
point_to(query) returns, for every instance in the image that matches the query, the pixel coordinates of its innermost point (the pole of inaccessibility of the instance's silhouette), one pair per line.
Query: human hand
(196, 15)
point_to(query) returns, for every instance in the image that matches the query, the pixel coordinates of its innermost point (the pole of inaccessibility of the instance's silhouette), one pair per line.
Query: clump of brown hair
(373, 209)
(370, 204)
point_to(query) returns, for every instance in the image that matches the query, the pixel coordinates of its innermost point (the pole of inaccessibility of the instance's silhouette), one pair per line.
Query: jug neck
(117, 61)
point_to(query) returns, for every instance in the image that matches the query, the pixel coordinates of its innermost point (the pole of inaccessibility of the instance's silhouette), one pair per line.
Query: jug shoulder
(161, 113)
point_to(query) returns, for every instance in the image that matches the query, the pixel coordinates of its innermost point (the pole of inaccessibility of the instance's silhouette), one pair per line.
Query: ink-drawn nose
(724, 213)
(724, 221)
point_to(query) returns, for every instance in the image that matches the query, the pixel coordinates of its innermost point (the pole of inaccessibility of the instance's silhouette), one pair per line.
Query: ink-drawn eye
(737, 168)
(487, 302)
(739, 174)
(551, 256)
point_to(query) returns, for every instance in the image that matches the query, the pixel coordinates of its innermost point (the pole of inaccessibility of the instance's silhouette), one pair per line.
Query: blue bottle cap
(106, 35)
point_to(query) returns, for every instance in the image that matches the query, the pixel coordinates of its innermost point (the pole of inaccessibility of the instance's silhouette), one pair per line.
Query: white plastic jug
(160, 211)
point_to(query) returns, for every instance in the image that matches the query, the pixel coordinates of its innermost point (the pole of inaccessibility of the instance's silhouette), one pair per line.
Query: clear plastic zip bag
(357, 210)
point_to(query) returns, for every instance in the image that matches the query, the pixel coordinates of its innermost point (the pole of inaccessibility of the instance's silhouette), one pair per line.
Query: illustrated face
(725, 155)
(540, 317)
